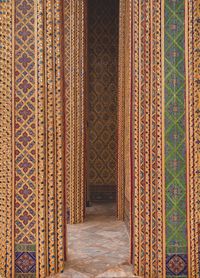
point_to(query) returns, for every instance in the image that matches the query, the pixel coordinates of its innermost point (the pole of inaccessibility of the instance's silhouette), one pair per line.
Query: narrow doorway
(99, 247)
(102, 59)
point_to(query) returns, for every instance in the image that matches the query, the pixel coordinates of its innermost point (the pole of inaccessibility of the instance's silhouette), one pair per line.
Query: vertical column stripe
(175, 139)
(75, 47)
(6, 139)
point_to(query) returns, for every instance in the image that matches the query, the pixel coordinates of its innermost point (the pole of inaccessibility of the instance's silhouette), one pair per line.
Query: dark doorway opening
(103, 45)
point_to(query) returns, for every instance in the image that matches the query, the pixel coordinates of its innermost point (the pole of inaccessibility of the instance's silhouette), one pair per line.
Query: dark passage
(103, 28)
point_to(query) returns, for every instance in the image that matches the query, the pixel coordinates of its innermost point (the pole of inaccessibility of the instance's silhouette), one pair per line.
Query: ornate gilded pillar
(31, 158)
(175, 139)
(75, 17)
(165, 124)
(147, 125)
(124, 100)
(50, 150)
(182, 137)
(120, 164)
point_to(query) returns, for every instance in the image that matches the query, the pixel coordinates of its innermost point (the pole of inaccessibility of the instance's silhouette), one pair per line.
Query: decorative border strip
(41, 139)
(6, 138)
(148, 193)
(75, 47)
(192, 58)
(175, 139)
(120, 149)
(25, 142)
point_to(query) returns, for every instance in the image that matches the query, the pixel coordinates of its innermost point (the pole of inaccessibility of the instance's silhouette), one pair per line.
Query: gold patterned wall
(102, 98)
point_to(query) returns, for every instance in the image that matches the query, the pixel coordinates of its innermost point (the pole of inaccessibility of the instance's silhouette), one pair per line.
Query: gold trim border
(36, 136)
(163, 131)
(13, 138)
(187, 133)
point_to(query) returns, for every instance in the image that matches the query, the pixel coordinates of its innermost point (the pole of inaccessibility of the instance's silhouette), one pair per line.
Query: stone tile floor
(99, 247)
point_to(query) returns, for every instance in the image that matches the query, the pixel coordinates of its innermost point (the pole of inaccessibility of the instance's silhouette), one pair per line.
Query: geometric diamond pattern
(102, 97)
(25, 136)
(25, 262)
(25, 122)
(177, 265)
(175, 148)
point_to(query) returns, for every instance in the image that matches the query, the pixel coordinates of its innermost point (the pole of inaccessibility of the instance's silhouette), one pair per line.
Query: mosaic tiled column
(25, 137)
(182, 137)
(147, 175)
(32, 158)
(175, 139)
(120, 164)
(124, 80)
(166, 67)
(38, 139)
(75, 15)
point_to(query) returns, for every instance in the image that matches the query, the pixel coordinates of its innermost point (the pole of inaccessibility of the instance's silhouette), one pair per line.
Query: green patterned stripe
(25, 247)
(175, 161)
(25, 275)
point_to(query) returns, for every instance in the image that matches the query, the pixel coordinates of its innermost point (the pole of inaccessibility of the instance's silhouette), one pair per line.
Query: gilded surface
(175, 139)
(120, 161)
(148, 205)
(6, 175)
(192, 109)
(196, 61)
(42, 233)
(124, 98)
(53, 138)
(127, 111)
(35, 119)
(74, 16)
(25, 145)
(37, 137)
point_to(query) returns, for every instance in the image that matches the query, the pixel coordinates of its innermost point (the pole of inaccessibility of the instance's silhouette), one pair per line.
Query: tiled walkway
(99, 247)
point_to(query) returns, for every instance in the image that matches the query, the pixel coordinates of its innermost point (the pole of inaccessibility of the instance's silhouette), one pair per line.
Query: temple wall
(162, 150)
